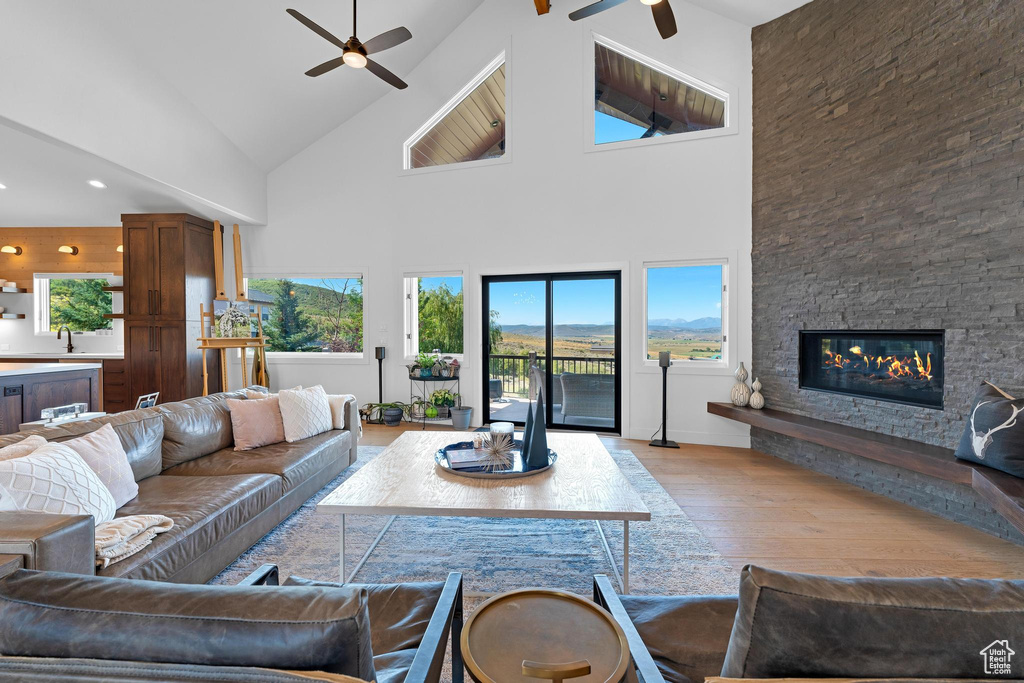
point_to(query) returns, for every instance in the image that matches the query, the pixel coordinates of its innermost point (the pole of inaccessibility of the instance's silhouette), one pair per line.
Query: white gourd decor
(740, 394)
(757, 398)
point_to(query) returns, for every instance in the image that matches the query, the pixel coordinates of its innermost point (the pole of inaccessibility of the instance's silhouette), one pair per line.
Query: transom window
(434, 314)
(636, 98)
(310, 314)
(470, 127)
(686, 305)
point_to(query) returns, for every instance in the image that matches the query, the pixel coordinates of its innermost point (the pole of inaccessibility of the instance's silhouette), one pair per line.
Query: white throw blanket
(124, 536)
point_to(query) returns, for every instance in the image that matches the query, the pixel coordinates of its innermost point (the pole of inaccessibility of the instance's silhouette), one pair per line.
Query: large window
(310, 315)
(686, 305)
(75, 300)
(636, 98)
(434, 314)
(470, 127)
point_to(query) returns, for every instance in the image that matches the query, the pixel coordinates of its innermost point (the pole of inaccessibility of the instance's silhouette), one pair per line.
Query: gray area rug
(668, 555)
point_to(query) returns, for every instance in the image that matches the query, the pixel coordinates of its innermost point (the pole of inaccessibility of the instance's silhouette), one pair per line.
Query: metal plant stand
(435, 383)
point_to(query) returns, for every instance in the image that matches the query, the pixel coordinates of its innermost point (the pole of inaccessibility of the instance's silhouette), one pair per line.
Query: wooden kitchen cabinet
(24, 394)
(168, 273)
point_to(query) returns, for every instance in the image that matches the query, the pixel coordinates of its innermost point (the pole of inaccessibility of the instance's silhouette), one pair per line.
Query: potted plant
(417, 409)
(442, 399)
(425, 362)
(461, 415)
(390, 413)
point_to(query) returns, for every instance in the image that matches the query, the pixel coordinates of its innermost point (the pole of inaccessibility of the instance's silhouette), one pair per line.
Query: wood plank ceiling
(474, 129)
(634, 92)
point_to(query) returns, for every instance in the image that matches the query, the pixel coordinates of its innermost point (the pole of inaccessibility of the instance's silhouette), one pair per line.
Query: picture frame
(147, 400)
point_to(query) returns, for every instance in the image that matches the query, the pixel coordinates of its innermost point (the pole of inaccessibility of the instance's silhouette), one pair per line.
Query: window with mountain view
(637, 99)
(470, 127)
(684, 311)
(434, 315)
(310, 315)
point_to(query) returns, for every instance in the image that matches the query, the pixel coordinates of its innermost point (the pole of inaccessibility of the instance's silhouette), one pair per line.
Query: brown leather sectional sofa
(221, 501)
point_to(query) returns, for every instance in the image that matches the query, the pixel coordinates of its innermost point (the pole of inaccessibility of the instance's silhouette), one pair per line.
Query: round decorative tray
(516, 470)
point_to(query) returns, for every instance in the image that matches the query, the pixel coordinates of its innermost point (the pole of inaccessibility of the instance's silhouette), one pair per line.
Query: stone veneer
(888, 163)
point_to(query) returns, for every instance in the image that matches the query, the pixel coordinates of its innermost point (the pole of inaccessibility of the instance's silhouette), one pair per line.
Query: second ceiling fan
(355, 53)
(664, 19)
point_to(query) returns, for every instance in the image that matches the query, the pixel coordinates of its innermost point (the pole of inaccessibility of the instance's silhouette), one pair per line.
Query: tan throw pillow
(256, 422)
(306, 413)
(22, 448)
(103, 452)
(57, 480)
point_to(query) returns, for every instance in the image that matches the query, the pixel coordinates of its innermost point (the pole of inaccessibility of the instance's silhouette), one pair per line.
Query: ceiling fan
(663, 17)
(355, 53)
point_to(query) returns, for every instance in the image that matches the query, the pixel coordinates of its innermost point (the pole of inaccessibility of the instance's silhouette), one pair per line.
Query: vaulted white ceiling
(750, 12)
(243, 61)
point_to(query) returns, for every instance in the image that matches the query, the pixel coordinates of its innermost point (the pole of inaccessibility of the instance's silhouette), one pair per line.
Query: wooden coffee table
(585, 483)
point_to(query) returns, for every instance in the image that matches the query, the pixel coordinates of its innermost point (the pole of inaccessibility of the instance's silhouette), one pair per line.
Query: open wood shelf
(12, 316)
(114, 316)
(13, 290)
(114, 288)
(1003, 491)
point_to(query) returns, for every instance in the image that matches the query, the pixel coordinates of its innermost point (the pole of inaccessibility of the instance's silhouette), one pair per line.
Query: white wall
(344, 205)
(68, 76)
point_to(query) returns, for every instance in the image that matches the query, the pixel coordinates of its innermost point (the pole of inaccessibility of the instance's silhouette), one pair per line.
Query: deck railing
(513, 371)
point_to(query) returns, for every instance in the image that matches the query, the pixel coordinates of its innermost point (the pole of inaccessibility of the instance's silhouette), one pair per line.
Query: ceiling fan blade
(385, 75)
(599, 6)
(329, 65)
(387, 40)
(664, 19)
(316, 28)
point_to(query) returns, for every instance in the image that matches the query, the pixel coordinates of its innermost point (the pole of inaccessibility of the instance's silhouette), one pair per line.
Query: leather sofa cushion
(195, 428)
(204, 509)
(823, 627)
(49, 669)
(49, 614)
(294, 462)
(141, 433)
(686, 635)
(399, 615)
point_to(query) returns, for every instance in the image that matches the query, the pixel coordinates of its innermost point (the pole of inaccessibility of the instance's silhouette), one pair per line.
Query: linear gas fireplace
(900, 366)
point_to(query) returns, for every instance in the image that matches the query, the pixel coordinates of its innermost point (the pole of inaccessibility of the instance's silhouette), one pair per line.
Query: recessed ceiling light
(98, 184)
(2, 186)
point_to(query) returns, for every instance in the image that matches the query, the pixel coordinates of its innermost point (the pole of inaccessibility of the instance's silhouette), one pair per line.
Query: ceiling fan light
(356, 60)
(650, 2)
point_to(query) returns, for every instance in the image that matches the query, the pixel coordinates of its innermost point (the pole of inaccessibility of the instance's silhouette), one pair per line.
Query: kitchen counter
(17, 369)
(55, 356)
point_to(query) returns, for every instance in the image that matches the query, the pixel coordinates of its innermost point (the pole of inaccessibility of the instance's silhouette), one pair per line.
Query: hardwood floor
(758, 509)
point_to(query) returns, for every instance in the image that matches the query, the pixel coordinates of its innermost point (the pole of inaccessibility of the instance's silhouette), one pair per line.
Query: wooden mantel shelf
(1004, 492)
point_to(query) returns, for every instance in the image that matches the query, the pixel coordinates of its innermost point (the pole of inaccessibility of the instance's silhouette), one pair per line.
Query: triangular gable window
(637, 98)
(471, 127)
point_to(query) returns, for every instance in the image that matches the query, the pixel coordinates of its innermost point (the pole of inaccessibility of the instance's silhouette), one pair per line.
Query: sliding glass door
(569, 324)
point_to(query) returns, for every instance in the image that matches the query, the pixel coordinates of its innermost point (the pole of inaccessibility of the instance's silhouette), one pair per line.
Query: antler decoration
(981, 442)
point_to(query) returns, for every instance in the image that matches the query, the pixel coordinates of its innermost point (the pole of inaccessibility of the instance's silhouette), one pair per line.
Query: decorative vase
(757, 398)
(430, 411)
(740, 394)
(426, 372)
(392, 416)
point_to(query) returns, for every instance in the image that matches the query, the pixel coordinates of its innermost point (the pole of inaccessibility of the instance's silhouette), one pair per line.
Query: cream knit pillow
(57, 480)
(103, 452)
(22, 448)
(305, 413)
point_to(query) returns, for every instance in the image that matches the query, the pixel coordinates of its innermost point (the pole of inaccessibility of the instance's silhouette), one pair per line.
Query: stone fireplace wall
(889, 194)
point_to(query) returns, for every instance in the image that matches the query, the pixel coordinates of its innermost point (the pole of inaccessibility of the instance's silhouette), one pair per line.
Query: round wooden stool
(532, 634)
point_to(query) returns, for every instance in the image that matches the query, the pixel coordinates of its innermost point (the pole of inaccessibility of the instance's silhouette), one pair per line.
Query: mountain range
(680, 324)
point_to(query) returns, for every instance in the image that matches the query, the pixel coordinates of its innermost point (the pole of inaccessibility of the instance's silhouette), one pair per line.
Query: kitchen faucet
(71, 346)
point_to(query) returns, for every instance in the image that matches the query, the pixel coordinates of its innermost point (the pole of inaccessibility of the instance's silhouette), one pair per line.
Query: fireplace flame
(893, 367)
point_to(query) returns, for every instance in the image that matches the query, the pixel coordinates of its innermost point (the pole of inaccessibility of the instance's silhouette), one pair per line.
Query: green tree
(79, 304)
(336, 314)
(494, 330)
(441, 320)
(288, 329)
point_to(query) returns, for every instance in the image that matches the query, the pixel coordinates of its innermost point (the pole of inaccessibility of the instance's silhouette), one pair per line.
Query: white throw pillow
(103, 452)
(57, 480)
(22, 448)
(306, 413)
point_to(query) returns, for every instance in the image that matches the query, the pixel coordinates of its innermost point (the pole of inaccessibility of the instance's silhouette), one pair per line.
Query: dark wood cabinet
(115, 387)
(168, 273)
(23, 396)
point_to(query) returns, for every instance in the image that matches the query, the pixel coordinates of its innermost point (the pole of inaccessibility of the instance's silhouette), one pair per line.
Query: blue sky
(588, 302)
(610, 129)
(687, 292)
(431, 283)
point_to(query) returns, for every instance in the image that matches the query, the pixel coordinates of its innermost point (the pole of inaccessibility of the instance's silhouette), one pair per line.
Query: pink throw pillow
(103, 453)
(256, 422)
(22, 448)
